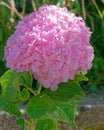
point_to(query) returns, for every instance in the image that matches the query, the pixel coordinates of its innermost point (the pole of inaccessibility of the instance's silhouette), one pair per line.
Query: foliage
(95, 19)
(45, 106)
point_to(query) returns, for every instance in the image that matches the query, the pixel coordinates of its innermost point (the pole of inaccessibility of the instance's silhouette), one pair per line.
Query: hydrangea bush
(52, 44)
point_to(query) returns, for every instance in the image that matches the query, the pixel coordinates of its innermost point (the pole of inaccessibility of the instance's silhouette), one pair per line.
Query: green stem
(28, 88)
(39, 89)
(97, 8)
(27, 122)
(32, 125)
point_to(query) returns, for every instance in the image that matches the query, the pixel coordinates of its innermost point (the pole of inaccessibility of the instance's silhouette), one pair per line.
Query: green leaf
(10, 89)
(1, 51)
(10, 86)
(43, 107)
(2, 67)
(80, 77)
(26, 78)
(11, 108)
(20, 121)
(10, 82)
(46, 124)
(58, 105)
(67, 92)
(23, 96)
(5, 12)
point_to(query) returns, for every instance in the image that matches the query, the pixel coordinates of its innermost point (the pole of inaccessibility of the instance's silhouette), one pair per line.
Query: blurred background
(92, 11)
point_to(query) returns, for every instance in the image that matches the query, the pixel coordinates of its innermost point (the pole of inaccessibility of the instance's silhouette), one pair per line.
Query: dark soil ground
(90, 116)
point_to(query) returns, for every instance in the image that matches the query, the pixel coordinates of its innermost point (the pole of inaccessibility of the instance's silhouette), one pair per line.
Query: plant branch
(39, 89)
(92, 21)
(97, 8)
(32, 124)
(24, 6)
(27, 122)
(6, 5)
(33, 5)
(28, 88)
(12, 3)
(83, 9)
(9, 7)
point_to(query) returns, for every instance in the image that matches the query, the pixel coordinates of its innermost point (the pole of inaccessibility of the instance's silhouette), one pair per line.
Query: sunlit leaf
(58, 105)
(80, 77)
(23, 96)
(46, 124)
(10, 108)
(10, 89)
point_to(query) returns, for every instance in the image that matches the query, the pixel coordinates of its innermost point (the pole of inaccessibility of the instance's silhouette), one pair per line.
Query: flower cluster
(52, 44)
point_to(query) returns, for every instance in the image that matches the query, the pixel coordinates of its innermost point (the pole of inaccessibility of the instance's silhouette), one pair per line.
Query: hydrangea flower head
(52, 44)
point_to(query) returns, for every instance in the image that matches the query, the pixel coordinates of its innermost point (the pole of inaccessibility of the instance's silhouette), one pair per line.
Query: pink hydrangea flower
(51, 43)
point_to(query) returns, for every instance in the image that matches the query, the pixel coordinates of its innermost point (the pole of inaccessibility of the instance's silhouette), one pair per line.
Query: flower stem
(39, 89)
(32, 125)
(28, 88)
(27, 122)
